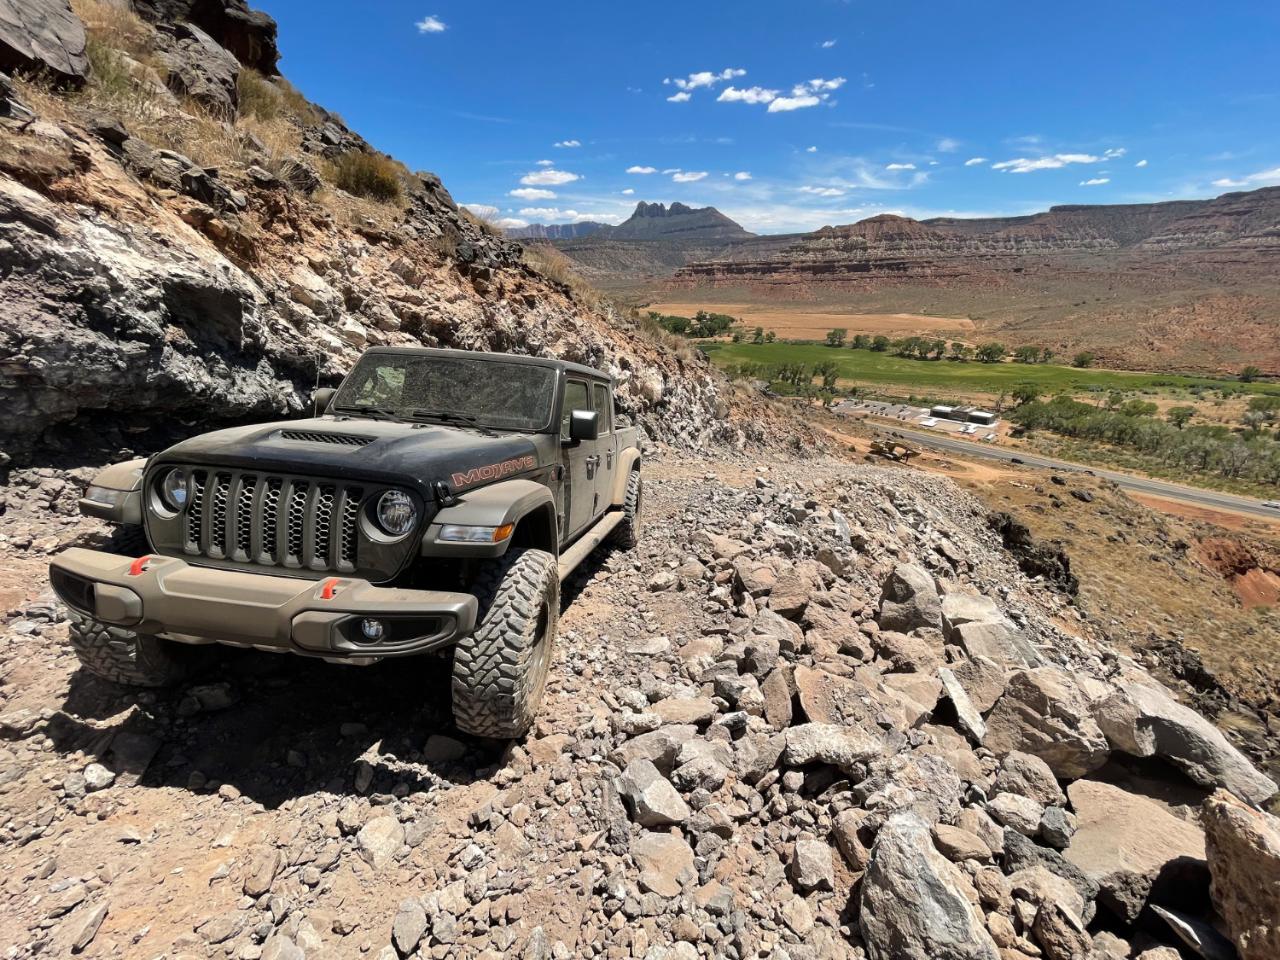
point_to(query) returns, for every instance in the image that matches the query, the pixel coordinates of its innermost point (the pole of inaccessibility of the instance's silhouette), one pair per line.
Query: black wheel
(117, 653)
(500, 670)
(627, 534)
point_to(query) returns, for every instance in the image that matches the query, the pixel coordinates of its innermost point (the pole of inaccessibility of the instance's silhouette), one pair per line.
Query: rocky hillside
(184, 239)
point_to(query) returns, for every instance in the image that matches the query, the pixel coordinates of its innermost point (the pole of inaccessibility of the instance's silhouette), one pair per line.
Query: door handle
(608, 459)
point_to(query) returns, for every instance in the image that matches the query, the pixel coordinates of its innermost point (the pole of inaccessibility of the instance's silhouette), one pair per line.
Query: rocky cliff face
(190, 265)
(1236, 229)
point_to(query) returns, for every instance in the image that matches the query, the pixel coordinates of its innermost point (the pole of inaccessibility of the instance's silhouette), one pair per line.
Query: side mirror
(320, 400)
(584, 425)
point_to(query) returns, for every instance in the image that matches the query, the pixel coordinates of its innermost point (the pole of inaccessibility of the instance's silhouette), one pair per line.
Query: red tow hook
(330, 587)
(136, 568)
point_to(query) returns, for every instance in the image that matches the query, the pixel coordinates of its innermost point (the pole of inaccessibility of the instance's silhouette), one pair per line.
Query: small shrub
(368, 175)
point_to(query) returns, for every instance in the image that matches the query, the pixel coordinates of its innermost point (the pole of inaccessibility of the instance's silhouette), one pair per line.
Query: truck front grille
(282, 521)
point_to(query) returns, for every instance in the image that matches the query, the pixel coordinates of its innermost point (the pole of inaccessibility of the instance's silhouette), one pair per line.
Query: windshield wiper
(450, 416)
(364, 410)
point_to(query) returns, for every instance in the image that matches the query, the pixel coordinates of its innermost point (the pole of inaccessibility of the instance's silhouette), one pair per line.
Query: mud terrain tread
(627, 534)
(496, 689)
(118, 654)
(122, 656)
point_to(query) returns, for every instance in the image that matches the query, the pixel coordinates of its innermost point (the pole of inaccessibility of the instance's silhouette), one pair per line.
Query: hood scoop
(310, 436)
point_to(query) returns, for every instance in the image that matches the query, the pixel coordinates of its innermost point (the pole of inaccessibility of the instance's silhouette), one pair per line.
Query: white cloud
(546, 163)
(639, 169)
(670, 170)
(828, 44)
(742, 175)
(564, 216)
(787, 104)
(899, 166)
(482, 210)
(975, 161)
(1053, 162)
(1095, 181)
(628, 192)
(1115, 152)
(688, 176)
(947, 145)
(1264, 178)
(532, 193)
(548, 178)
(568, 143)
(810, 149)
(1141, 163)
(817, 85)
(821, 191)
(704, 78)
(732, 94)
(431, 24)
(510, 223)
(681, 97)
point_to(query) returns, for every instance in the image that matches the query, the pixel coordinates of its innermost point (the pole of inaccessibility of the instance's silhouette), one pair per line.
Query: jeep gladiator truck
(436, 500)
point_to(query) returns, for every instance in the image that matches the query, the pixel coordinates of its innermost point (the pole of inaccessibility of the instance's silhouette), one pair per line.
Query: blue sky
(789, 116)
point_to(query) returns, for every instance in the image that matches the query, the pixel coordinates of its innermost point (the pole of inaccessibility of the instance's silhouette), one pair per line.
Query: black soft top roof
(563, 365)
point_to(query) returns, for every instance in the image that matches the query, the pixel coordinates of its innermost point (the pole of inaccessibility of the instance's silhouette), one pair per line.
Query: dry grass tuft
(367, 175)
(256, 97)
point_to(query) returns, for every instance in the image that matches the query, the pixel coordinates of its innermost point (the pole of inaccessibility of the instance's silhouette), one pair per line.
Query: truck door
(606, 447)
(580, 463)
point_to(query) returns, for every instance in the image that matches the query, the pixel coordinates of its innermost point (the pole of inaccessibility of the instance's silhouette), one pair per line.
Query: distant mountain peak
(658, 221)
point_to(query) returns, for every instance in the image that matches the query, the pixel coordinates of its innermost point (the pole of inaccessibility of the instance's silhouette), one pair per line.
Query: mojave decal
(493, 471)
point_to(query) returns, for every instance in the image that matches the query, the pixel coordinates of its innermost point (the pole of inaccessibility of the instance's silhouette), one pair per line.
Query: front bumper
(168, 597)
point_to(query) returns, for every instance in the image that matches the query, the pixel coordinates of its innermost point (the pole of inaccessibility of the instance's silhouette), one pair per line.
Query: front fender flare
(115, 493)
(508, 501)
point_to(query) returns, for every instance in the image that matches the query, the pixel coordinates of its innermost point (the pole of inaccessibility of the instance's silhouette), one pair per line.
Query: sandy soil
(799, 323)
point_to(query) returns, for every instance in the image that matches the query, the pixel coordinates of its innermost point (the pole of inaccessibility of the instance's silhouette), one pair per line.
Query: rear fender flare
(516, 501)
(628, 460)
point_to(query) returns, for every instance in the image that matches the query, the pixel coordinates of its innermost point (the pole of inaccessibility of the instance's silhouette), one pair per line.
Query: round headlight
(396, 513)
(173, 489)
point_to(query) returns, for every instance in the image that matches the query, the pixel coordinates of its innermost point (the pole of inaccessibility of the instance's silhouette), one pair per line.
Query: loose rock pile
(818, 718)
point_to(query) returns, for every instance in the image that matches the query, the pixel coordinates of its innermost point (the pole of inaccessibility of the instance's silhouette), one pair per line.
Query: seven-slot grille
(286, 521)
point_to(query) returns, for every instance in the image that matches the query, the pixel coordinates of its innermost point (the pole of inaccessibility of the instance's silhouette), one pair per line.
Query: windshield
(491, 393)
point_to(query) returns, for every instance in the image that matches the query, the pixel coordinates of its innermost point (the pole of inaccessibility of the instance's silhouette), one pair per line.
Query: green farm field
(970, 378)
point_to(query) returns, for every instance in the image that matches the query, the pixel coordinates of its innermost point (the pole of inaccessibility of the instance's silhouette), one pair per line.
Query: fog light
(372, 629)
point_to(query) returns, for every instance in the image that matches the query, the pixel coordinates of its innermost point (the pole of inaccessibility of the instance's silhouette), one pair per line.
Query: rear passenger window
(575, 398)
(604, 407)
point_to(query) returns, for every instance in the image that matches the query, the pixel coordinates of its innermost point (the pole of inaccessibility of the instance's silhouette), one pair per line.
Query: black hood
(378, 450)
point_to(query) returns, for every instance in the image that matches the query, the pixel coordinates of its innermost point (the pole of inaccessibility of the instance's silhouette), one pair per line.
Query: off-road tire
(500, 670)
(627, 533)
(116, 653)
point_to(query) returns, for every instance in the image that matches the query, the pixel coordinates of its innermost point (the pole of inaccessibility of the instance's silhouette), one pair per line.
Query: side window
(575, 398)
(604, 407)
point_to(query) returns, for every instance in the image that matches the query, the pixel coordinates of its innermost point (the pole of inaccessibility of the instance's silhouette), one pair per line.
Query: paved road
(1127, 481)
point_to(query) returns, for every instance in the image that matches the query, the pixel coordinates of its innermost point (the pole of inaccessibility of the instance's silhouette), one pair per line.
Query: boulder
(810, 867)
(379, 841)
(1029, 776)
(838, 746)
(650, 797)
(1043, 712)
(1145, 721)
(665, 862)
(957, 843)
(43, 35)
(1016, 812)
(961, 608)
(968, 717)
(249, 34)
(1125, 841)
(1243, 850)
(1000, 641)
(983, 680)
(912, 903)
(909, 599)
(827, 698)
(199, 68)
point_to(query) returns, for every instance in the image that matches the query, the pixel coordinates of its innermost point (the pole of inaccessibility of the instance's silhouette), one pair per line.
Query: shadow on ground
(275, 727)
